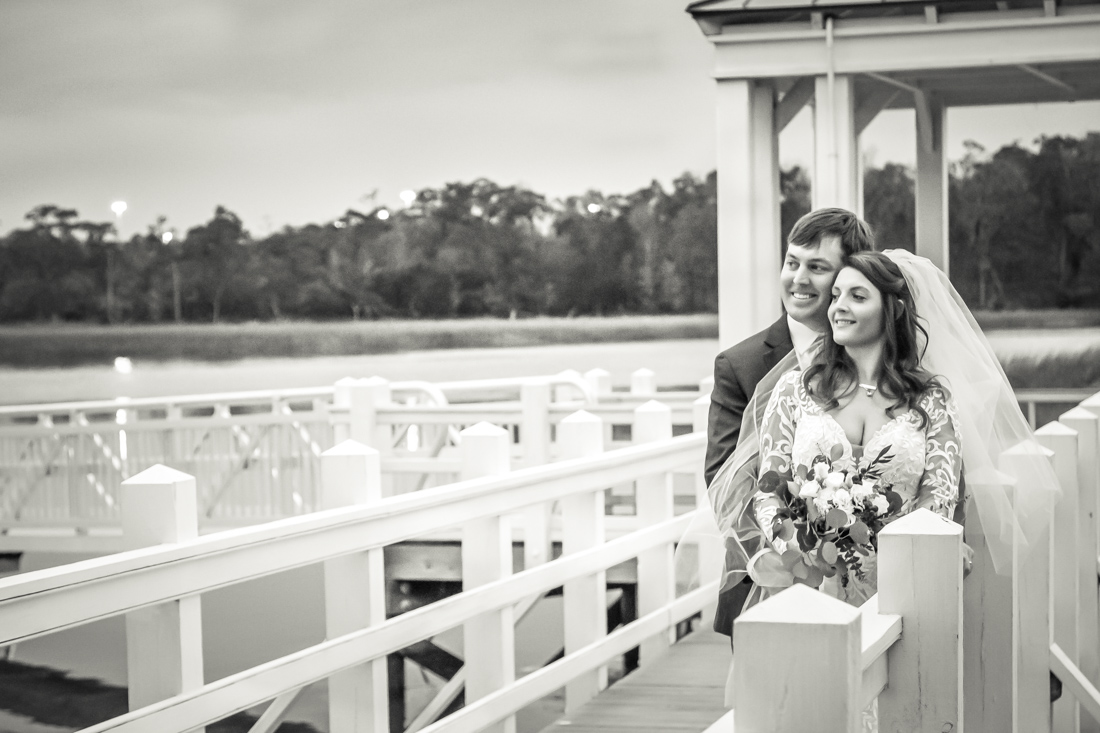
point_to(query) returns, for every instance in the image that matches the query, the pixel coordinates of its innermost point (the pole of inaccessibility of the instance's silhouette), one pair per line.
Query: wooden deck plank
(679, 693)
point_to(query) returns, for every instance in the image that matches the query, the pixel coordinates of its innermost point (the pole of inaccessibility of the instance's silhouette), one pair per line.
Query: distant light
(383, 214)
(166, 237)
(476, 210)
(408, 196)
(123, 365)
(594, 208)
(339, 224)
(119, 207)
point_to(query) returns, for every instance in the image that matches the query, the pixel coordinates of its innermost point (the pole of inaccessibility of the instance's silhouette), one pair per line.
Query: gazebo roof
(736, 12)
(962, 52)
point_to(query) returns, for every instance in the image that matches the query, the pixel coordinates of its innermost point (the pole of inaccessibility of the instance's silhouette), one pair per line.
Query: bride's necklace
(869, 389)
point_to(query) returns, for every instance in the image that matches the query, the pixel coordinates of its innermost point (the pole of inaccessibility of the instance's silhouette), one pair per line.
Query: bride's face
(855, 313)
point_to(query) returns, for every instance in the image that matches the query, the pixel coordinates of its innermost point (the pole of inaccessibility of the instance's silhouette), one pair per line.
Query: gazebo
(852, 59)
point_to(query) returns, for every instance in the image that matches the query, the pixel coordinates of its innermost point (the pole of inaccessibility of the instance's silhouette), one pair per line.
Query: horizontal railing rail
(49, 601)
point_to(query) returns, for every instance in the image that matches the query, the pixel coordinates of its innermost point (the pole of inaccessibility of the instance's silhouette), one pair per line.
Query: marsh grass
(64, 345)
(1068, 361)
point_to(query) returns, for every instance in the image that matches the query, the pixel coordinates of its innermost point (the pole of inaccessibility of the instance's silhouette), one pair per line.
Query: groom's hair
(855, 234)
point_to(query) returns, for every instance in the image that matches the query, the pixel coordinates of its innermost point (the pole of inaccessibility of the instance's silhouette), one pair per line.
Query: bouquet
(829, 516)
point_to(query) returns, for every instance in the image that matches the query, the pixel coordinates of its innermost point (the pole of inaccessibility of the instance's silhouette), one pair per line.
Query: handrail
(197, 708)
(46, 601)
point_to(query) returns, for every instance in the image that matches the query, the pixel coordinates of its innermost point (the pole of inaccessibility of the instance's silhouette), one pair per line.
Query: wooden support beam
(1048, 78)
(868, 108)
(749, 251)
(931, 182)
(836, 146)
(793, 102)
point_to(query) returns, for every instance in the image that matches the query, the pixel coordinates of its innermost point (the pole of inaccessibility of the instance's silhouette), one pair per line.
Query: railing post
(643, 383)
(163, 642)
(988, 631)
(1031, 610)
(1087, 425)
(600, 379)
(488, 639)
(653, 499)
(565, 392)
(535, 437)
(710, 548)
(706, 385)
(361, 400)
(1062, 441)
(920, 579)
(584, 599)
(355, 593)
(797, 664)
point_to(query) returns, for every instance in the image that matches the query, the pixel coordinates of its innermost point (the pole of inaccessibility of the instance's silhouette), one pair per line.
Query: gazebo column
(836, 145)
(749, 252)
(931, 183)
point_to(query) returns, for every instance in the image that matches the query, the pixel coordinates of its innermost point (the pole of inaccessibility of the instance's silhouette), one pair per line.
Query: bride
(905, 366)
(865, 395)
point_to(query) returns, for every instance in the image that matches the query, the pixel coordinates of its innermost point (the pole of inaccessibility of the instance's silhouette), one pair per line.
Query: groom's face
(806, 280)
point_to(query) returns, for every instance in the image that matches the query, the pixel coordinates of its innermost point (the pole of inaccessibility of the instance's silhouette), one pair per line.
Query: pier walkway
(681, 691)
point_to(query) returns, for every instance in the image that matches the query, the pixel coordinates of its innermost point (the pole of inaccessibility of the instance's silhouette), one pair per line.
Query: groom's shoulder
(754, 347)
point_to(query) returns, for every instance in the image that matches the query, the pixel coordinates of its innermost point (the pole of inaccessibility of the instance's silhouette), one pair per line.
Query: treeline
(1024, 233)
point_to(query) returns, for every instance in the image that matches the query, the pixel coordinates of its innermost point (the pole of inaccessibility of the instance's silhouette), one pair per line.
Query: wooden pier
(680, 691)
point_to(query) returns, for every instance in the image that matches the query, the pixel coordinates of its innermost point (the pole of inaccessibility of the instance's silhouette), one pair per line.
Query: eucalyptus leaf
(860, 533)
(829, 553)
(836, 518)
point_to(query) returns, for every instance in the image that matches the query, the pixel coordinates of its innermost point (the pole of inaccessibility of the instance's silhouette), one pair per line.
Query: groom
(817, 248)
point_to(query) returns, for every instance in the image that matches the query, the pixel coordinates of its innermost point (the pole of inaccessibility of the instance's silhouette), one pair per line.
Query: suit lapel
(777, 342)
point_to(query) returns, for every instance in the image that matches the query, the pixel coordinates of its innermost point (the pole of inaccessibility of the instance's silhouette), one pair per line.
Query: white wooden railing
(256, 456)
(158, 583)
(935, 651)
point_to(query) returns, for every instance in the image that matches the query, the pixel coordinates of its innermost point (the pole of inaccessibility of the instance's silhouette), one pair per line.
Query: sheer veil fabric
(991, 428)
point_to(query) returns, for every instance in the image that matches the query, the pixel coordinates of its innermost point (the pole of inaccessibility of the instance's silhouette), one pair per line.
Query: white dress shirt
(805, 341)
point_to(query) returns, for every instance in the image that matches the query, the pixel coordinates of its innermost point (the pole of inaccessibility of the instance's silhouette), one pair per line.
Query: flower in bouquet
(830, 515)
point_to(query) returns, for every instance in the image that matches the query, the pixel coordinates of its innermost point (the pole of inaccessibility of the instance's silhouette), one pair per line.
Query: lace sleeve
(939, 484)
(776, 441)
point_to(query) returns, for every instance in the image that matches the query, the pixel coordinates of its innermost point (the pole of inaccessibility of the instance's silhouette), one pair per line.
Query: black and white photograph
(586, 366)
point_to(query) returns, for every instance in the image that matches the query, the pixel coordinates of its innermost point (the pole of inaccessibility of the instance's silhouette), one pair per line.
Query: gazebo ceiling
(713, 15)
(960, 52)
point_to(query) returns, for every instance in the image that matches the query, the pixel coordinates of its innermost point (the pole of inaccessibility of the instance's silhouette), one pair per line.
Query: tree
(213, 256)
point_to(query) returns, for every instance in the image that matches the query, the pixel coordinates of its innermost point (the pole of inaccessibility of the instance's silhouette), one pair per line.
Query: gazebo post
(931, 184)
(836, 145)
(748, 211)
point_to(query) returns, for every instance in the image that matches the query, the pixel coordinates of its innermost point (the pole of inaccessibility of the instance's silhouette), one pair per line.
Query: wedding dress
(922, 463)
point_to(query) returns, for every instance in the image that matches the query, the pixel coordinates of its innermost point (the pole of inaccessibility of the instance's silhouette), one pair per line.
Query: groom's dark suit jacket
(737, 370)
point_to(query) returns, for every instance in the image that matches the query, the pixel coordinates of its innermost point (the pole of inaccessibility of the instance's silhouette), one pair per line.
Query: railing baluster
(920, 579)
(355, 593)
(709, 548)
(653, 497)
(1086, 422)
(585, 599)
(1062, 441)
(488, 639)
(797, 664)
(535, 437)
(1030, 698)
(163, 642)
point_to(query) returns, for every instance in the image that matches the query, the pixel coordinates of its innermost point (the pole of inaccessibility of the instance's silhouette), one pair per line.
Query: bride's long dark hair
(833, 374)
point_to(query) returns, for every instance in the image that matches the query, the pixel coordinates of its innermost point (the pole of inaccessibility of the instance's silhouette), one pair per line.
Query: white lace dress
(924, 469)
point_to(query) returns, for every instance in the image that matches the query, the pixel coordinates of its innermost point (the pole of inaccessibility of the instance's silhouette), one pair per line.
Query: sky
(292, 112)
